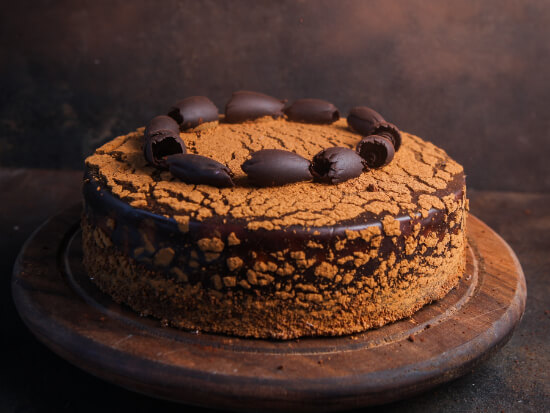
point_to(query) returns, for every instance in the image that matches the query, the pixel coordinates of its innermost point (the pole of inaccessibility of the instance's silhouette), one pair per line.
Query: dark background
(470, 76)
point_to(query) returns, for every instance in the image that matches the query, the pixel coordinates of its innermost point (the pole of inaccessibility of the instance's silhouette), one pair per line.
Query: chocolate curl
(336, 165)
(312, 111)
(245, 105)
(193, 111)
(273, 167)
(390, 131)
(162, 139)
(363, 120)
(376, 151)
(197, 169)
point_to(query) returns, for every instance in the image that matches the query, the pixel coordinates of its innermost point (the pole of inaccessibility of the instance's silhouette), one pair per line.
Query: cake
(278, 259)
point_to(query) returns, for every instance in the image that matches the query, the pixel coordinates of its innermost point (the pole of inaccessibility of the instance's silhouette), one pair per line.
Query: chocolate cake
(264, 244)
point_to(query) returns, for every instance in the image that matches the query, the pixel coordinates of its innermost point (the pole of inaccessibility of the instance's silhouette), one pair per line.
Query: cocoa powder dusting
(409, 184)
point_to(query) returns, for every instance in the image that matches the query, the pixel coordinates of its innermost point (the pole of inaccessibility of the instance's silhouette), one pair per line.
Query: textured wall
(470, 76)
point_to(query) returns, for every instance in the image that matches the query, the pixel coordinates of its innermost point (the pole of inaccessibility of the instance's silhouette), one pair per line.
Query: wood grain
(442, 341)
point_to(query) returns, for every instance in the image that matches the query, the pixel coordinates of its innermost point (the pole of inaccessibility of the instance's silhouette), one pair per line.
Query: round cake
(307, 258)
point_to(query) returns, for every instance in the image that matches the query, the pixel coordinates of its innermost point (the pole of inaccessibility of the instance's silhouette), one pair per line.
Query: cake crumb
(232, 240)
(326, 270)
(234, 263)
(211, 244)
(164, 257)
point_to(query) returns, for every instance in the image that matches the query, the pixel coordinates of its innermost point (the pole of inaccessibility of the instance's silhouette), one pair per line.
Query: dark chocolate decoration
(312, 111)
(335, 165)
(245, 105)
(197, 169)
(162, 139)
(161, 122)
(192, 111)
(363, 120)
(164, 148)
(390, 131)
(273, 167)
(376, 151)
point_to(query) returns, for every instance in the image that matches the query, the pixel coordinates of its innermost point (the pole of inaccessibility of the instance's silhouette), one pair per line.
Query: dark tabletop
(33, 379)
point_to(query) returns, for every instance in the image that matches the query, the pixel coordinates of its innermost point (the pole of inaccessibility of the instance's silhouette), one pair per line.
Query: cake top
(419, 178)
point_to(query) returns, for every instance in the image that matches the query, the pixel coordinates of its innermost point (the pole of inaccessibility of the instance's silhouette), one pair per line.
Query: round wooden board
(439, 343)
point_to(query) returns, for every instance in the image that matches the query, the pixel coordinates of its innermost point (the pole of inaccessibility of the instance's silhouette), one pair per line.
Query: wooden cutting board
(442, 341)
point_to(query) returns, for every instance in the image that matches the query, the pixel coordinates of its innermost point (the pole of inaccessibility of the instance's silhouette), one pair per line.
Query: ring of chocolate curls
(164, 148)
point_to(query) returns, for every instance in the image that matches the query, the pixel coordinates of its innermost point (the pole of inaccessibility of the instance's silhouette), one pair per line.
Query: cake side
(243, 306)
(302, 259)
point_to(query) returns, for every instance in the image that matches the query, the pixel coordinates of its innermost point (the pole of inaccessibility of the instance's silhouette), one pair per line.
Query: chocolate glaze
(102, 208)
